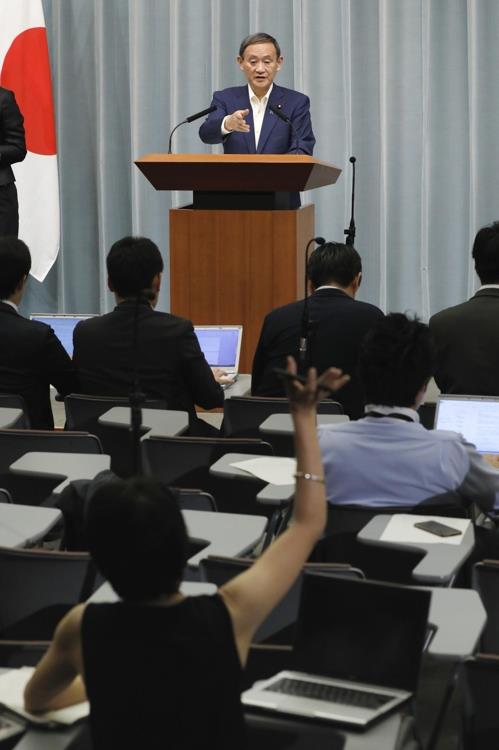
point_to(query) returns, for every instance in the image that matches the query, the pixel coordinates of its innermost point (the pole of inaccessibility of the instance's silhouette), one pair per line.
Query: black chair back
(340, 542)
(243, 416)
(5, 496)
(279, 625)
(83, 412)
(38, 586)
(192, 499)
(16, 654)
(478, 689)
(31, 490)
(186, 461)
(485, 580)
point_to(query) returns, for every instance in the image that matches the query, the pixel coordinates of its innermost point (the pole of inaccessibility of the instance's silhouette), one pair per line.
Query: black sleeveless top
(163, 677)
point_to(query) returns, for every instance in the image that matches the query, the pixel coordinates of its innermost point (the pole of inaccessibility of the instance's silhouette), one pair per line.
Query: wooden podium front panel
(233, 267)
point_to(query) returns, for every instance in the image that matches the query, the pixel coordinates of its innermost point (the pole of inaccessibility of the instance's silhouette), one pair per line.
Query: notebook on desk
(221, 346)
(357, 652)
(63, 326)
(475, 417)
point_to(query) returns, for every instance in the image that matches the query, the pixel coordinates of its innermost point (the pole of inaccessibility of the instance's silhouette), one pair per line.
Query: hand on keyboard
(222, 377)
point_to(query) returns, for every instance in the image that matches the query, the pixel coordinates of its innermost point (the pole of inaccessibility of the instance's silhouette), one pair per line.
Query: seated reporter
(388, 457)
(161, 669)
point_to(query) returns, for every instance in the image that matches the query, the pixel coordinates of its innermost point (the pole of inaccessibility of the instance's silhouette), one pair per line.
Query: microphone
(350, 232)
(305, 320)
(191, 118)
(204, 112)
(276, 109)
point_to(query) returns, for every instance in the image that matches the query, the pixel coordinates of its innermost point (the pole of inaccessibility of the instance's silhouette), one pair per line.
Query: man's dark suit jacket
(172, 367)
(12, 143)
(467, 340)
(339, 324)
(12, 149)
(276, 136)
(32, 358)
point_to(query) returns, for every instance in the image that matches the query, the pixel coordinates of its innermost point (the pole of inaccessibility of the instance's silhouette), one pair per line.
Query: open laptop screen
(476, 418)
(63, 326)
(221, 345)
(361, 630)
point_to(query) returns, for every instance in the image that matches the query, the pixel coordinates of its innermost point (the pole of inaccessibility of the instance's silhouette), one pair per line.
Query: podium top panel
(241, 172)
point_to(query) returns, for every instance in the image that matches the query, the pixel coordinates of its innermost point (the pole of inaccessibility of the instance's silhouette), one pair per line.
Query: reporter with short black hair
(153, 659)
(388, 457)
(31, 356)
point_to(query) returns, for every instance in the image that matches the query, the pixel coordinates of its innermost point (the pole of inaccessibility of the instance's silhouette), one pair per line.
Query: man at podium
(260, 118)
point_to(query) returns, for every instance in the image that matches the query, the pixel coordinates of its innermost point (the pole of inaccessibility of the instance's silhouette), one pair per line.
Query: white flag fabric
(25, 70)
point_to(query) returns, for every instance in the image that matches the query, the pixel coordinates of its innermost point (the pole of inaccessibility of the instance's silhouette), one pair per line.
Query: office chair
(5, 496)
(478, 687)
(38, 587)
(192, 499)
(15, 401)
(31, 490)
(353, 518)
(340, 544)
(15, 654)
(485, 580)
(83, 412)
(243, 416)
(281, 620)
(185, 462)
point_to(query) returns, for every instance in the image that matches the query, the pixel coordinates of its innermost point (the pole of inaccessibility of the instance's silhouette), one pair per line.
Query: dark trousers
(9, 211)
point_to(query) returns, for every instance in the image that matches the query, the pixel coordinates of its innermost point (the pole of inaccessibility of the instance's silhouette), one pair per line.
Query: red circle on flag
(26, 72)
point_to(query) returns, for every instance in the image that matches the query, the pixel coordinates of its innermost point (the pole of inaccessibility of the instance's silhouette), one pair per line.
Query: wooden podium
(237, 251)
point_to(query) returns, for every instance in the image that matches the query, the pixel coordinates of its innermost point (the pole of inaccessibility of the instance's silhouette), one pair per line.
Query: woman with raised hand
(162, 670)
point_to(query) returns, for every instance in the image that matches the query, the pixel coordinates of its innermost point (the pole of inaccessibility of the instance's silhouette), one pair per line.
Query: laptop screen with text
(476, 418)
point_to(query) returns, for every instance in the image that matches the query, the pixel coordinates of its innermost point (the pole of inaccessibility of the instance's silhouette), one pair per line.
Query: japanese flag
(25, 70)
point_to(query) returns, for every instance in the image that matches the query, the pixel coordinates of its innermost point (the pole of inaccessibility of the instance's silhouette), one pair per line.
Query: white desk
(9, 417)
(441, 562)
(24, 525)
(460, 617)
(158, 422)
(67, 466)
(282, 424)
(241, 387)
(271, 494)
(228, 534)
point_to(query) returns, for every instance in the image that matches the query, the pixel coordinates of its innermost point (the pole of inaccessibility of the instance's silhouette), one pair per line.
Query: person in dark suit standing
(170, 363)
(467, 335)
(338, 324)
(12, 149)
(31, 355)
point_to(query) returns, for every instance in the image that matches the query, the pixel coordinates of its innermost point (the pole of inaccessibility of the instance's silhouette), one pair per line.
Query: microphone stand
(191, 118)
(350, 232)
(303, 352)
(137, 397)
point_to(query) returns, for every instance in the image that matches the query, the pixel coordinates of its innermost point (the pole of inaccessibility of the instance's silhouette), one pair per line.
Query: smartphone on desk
(437, 528)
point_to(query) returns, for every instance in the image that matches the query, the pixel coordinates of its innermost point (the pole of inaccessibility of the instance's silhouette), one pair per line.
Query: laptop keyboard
(330, 693)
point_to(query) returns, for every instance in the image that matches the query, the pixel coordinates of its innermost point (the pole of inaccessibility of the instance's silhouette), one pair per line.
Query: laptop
(63, 326)
(475, 417)
(221, 346)
(357, 652)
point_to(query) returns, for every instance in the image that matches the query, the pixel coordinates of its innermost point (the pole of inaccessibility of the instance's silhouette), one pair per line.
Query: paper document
(400, 528)
(12, 684)
(271, 469)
